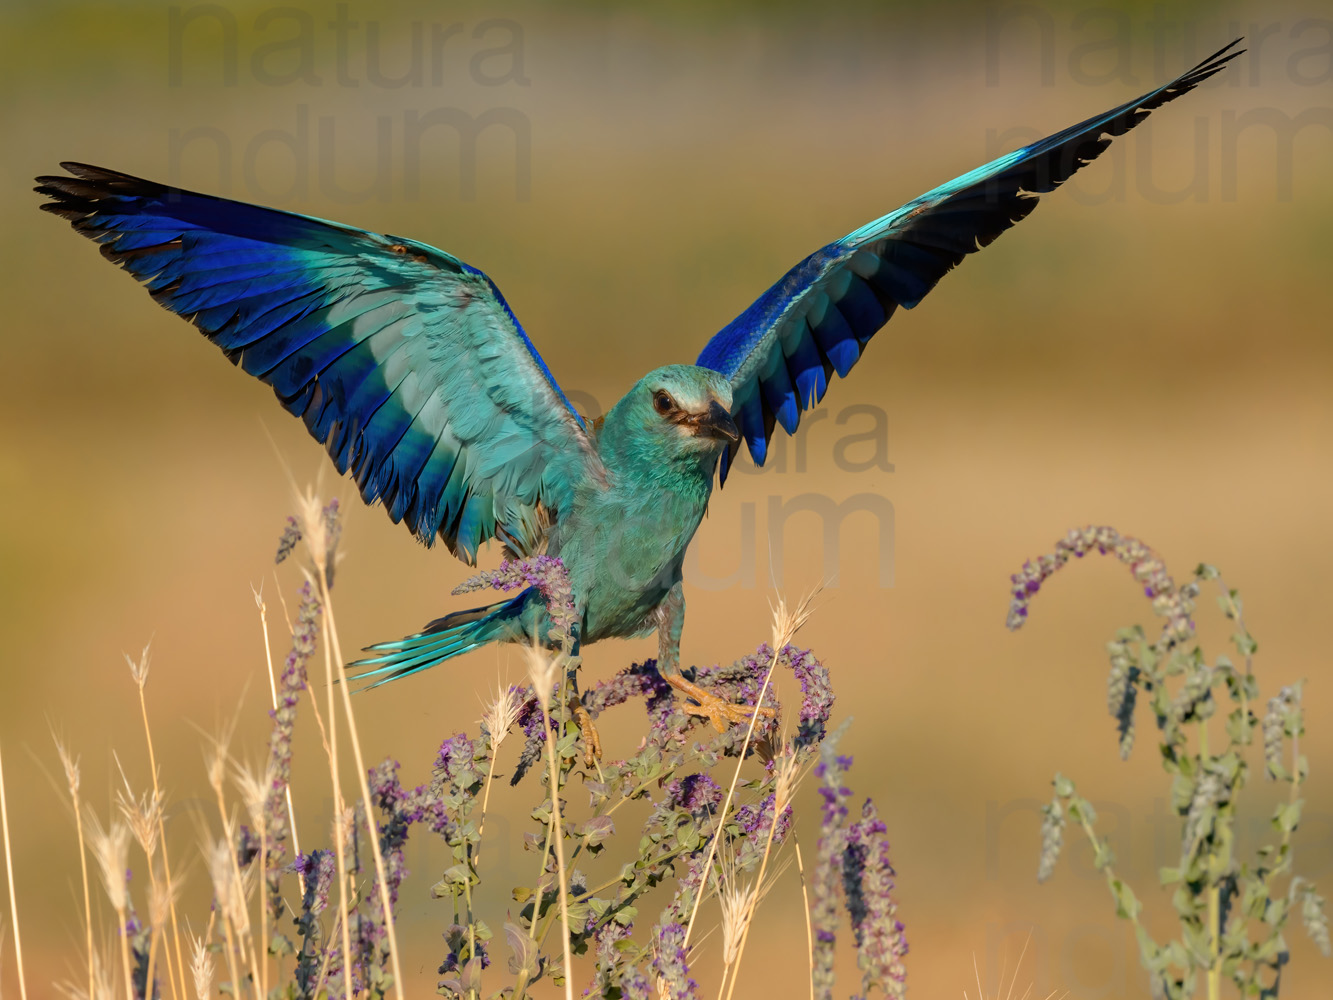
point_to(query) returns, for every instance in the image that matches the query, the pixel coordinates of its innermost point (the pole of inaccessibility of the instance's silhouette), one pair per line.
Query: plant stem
(1091, 834)
(273, 692)
(13, 901)
(83, 867)
(166, 862)
(339, 809)
(243, 933)
(381, 879)
(805, 897)
(731, 793)
(476, 858)
(558, 837)
(1214, 891)
(758, 889)
(1214, 943)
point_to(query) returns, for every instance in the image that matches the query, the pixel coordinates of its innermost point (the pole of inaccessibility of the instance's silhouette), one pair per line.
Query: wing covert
(405, 362)
(781, 352)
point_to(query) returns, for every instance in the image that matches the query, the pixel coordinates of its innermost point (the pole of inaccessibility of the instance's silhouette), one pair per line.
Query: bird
(409, 366)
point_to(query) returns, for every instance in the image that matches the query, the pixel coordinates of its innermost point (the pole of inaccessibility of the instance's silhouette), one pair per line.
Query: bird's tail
(515, 620)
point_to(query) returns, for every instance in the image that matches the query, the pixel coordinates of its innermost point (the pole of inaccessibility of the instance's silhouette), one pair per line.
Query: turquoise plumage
(409, 366)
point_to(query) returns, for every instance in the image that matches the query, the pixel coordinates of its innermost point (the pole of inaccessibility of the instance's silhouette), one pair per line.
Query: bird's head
(676, 412)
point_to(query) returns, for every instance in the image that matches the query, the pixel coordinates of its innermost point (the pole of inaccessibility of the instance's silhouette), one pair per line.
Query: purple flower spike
(1168, 602)
(671, 963)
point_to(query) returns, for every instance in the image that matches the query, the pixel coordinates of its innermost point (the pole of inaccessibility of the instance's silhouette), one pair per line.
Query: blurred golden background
(1149, 350)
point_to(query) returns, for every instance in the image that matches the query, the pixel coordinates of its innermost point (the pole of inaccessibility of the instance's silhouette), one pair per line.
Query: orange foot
(721, 713)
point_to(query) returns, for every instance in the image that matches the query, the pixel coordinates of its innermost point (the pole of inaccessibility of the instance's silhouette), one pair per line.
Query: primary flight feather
(409, 366)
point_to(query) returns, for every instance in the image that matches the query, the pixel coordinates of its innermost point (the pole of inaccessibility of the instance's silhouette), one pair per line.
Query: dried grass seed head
(110, 848)
(500, 715)
(788, 771)
(71, 765)
(202, 968)
(320, 529)
(543, 670)
(740, 901)
(231, 894)
(139, 668)
(143, 813)
(253, 787)
(738, 904)
(162, 894)
(217, 754)
(104, 982)
(788, 620)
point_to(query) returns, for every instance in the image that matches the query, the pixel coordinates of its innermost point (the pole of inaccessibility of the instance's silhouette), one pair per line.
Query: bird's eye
(662, 401)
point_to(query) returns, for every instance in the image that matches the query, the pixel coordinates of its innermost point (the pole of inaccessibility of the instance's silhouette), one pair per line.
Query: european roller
(409, 367)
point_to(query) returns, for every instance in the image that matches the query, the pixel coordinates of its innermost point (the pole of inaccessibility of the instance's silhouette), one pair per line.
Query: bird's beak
(717, 423)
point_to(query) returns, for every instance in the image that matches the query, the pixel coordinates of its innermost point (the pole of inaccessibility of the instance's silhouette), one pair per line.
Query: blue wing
(403, 360)
(780, 353)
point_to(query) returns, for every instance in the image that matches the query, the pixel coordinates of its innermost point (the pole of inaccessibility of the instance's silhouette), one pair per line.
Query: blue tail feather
(510, 620)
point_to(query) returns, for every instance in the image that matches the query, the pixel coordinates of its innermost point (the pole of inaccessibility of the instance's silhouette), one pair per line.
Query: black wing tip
(84, 185)
(1213, 64)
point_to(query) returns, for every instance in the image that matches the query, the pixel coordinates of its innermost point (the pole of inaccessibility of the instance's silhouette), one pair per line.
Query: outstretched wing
(403, 360)
(780, 352)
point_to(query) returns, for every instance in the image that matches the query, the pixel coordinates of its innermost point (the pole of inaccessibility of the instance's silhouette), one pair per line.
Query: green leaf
(1080, 809)
(1127, 905)
(625, 915)
(1240, 726)
(1288, 816)
(598, 829)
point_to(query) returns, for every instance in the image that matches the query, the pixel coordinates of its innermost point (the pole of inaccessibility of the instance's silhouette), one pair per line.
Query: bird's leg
(592, 741)
(721, 713)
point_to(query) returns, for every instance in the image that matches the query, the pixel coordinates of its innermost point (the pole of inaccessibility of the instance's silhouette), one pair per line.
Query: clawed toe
(721, 713)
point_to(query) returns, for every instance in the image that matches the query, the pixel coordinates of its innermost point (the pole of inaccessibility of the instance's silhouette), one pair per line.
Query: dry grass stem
(543, 669)
(139, 673)
(102, 985)
(498, 718)
(218, 761)
(13, 900)
(788, 774)
(739, 903)
(339, 840)
(253, 787)
(786, 623)
(1013, 980)
(221, 862)
(805, 899)
(273, 693)
(381, 878)
(71, 765)
(310, 516)
(161, 898)
(111, 851)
